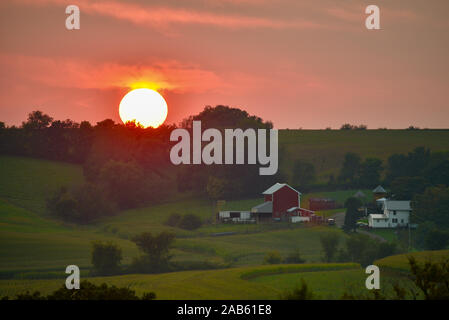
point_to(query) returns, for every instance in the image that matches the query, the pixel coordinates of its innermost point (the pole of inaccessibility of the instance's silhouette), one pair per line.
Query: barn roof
(277, 187)
(379, 189)
(265, 207)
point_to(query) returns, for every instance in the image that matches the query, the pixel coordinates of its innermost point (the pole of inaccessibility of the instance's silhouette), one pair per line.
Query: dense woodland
(126, 166)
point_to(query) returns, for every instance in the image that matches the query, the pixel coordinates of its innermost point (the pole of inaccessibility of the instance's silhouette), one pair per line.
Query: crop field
(35, 248)
(400, 262)
(209, 284)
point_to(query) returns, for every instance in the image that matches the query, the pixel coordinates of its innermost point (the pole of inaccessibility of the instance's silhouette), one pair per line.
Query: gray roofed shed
(266, 207)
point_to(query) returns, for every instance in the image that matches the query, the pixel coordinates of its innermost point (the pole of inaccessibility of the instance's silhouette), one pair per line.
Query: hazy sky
(309, 64)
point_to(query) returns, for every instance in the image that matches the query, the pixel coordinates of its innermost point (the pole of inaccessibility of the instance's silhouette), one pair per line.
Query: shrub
(82, 205)
(88, 291)
(273, 257)
(173, 220)
(329, 242)
(190, 222)
(294, 257)
(299, 293)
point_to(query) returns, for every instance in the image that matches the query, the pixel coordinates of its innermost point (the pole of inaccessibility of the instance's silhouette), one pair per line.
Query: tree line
(126, 165)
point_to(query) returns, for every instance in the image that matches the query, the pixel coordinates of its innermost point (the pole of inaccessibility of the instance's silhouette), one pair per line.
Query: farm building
(316, 204)
(282, 202)
(395, 214)
(235, 216)
(379, 192)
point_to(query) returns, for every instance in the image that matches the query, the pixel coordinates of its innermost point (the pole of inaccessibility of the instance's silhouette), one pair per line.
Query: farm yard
(35, 248)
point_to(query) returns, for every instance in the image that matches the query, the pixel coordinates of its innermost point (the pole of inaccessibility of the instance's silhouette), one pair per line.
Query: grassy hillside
(27, 182)
(30, 242)
(214, 284)
(400, 262)
(326, 148)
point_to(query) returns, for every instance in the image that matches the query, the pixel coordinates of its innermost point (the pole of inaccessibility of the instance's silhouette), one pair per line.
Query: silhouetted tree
(106, 258)
(37, 120)
(155, 251)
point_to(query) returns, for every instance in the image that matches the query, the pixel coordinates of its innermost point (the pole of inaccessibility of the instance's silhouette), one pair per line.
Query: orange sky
(309, 64)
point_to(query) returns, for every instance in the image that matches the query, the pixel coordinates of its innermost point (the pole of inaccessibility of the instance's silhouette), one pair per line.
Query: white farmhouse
(395, 214)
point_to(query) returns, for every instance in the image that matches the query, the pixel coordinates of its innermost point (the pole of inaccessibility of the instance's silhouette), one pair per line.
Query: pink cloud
(164, 16)
(72, 73)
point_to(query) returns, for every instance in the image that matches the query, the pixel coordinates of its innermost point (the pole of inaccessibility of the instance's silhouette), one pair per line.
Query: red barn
(279, 198)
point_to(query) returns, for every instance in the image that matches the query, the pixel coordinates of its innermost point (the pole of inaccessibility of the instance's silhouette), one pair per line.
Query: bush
(106, 258)
(329, 242)
(273, 257)
(83, 205)
(299, 293)
(155, 251)
(173, 220)
(88, 291)
(294, 257)
(190, 222)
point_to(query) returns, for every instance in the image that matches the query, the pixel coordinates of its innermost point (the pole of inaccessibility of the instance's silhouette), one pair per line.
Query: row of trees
(130, 165)
(358, 248)
(155, 255)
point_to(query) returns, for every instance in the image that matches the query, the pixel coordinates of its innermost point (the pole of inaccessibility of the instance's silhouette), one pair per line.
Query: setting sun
(144, 106)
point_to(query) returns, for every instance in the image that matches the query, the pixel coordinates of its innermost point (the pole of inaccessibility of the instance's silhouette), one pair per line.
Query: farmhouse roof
(397, 205)
(379, 189)
(265, 207)
(378, 216)
(277, 187)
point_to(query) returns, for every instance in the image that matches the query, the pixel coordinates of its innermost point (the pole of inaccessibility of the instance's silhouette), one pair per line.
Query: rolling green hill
(400, 262)
(212, 284)
(34, 245)
(27, 182)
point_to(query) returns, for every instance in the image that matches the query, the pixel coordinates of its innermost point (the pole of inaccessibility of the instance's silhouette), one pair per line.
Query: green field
(215, 284)
(34, 245)
(400, 262)
(27, 183)
(327, 281)
(326, 148)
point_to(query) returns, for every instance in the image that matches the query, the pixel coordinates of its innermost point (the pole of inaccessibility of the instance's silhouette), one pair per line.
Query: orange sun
(144, 106)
